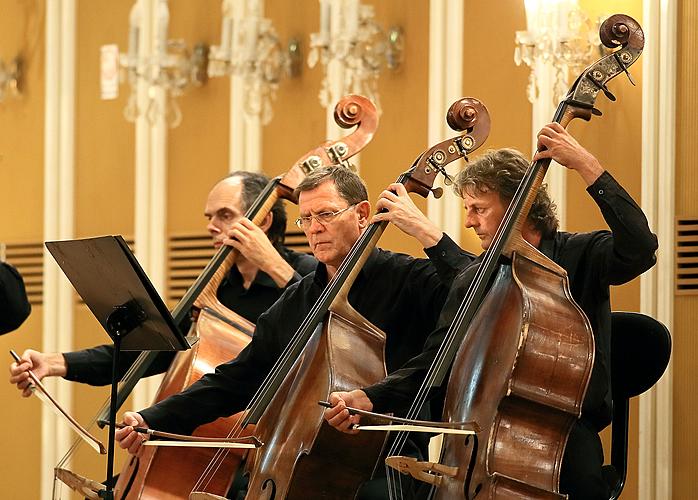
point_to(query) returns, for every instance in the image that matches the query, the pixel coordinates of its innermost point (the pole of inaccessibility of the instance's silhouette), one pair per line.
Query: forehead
(226, 194)
(475, 196)
(321, 197)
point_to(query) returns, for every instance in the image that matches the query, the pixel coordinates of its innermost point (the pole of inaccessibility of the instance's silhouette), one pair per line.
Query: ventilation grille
(296, 240)
(189, 253)
(28, 258)
(687, 256)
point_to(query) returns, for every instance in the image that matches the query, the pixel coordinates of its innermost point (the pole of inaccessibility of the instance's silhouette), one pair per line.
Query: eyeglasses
(323, 218)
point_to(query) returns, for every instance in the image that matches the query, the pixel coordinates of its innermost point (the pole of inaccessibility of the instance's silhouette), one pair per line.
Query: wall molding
(150, 183)
(245, 142)
(59, 218)
(656, 289)
(446, 21)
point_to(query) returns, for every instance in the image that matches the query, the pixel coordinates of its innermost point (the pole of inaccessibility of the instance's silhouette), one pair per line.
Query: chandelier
(352, 49)
(250, 49)
(558, 36)
(169, 69)
(10, 78)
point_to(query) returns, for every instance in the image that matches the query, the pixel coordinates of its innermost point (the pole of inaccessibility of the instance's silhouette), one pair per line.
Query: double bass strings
(464, 314)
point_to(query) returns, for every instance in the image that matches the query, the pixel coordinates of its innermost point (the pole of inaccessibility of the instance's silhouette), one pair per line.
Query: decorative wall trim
(445, 86)
(151, 184)
(656, 292)
(59, 168)
(245, 130)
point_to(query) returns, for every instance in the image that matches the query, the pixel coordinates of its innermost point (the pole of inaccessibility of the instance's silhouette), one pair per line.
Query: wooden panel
(21, 219)
(402, 133)
(489, 73)
(28, 258)
(197, 150)
(685, 347)
(104, 140)
(189, 253)
(298, 124)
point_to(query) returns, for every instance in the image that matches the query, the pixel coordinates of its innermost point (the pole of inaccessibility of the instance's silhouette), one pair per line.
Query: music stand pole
(123, 320)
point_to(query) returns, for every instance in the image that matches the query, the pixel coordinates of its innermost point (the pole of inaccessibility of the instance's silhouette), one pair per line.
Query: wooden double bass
(172, 473)
(520, 351)
(334, 349)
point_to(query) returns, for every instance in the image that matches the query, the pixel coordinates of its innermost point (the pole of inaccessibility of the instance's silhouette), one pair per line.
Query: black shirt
(593, 262)
(399, 294)
(14, 306)
(93, 366)
(250, 303)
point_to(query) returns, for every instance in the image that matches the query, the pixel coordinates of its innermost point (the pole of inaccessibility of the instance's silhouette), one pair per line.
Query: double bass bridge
(427, 472)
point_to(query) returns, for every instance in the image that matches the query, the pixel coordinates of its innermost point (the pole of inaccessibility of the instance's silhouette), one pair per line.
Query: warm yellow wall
(685, 347)
(197, 150)
(298, 123)
(491, 75)
(21, 219)
(198, 154)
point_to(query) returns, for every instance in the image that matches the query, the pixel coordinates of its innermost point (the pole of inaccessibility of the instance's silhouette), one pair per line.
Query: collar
(320, 275)
(547, 247)
(261, 279)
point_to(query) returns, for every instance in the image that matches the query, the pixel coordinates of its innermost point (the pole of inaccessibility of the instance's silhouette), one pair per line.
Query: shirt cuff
(72, 362)
(603, 186)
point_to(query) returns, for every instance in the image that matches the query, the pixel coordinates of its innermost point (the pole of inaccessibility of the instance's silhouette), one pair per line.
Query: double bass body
(299, 444)
(149, 476)
(523, 368)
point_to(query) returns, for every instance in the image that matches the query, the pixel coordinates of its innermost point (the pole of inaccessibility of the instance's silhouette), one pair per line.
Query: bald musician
(262, 272)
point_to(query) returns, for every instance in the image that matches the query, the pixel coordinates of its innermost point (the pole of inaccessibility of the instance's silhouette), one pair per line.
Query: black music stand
(112, 283)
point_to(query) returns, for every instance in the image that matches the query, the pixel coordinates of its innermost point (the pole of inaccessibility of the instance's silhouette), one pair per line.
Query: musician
(15, 307)
(592, 260)
(400, 294)
(262, 271)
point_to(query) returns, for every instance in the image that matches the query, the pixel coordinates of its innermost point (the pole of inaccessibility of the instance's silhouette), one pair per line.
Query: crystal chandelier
(10, 78)
(171, 67)
(352, 49)
(250, 49)
(559, 36)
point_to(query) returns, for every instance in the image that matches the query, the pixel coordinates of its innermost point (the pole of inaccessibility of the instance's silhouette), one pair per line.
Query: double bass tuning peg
(437, 192)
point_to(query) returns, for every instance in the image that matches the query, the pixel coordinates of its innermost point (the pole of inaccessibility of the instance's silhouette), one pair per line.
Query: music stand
(112, 283)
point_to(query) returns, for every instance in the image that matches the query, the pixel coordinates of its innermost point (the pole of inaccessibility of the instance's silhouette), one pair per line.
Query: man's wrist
(281, 273)
(57, 366)
(430, 237)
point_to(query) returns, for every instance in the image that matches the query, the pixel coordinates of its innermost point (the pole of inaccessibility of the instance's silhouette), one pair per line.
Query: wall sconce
(351, 41)
(171, 67)
(250, 48)
(10, 78)
(559, 35)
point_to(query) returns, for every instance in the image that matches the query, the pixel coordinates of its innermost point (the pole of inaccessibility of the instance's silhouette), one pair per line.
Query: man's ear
(363, 209)
(266, 223)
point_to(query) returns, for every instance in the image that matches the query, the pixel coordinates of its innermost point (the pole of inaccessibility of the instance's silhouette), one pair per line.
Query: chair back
(640, 351)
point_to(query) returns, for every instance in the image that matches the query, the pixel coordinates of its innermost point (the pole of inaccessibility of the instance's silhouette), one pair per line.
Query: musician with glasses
(398, 293)
(262, 271)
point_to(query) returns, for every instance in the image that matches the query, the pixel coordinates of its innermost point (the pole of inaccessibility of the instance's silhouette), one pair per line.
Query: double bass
(520, 351)
(322, 357)
(172, 473)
